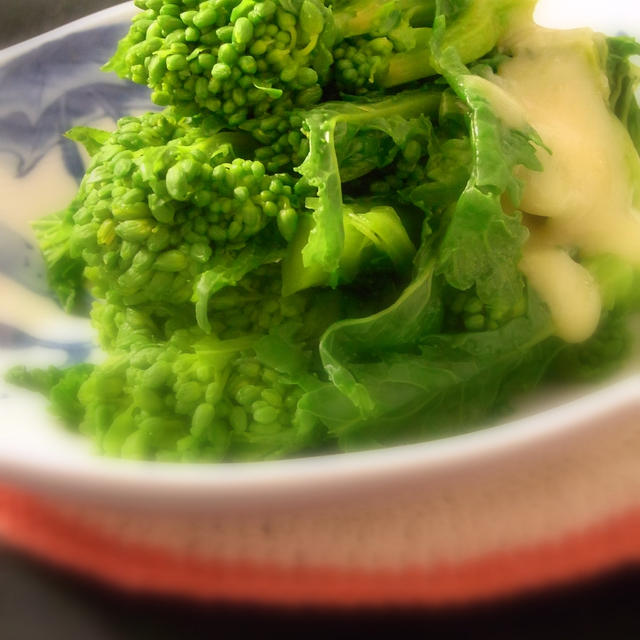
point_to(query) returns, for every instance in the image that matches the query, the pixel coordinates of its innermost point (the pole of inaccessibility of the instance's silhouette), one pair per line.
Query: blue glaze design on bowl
(59, 85)
(13, 338)
(45, 91)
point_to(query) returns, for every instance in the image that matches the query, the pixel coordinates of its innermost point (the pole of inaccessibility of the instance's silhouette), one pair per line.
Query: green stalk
(379, 17)
(473, 34)
(408, 105)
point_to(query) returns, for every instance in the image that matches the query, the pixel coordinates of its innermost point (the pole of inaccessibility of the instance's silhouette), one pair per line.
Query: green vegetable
(402, 54)
(483, 243)
(336, 155)
(61, 386)
(159, 198)
(318, 244)
(64, 271)
(236, 59)
(242, 59)
(370, 238)
(395, 379)
(624, 78)
(170, 391)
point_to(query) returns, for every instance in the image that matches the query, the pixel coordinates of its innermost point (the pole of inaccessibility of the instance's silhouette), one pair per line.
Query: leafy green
(483, 243)
(91, 139)
(600, 356)
(396, 379)
(64, 270)
(60, 385)
(374, 236)
(624, 78)
(333, 129)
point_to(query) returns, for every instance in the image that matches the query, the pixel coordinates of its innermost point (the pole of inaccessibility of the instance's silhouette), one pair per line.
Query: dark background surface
(37, 601)
(22, 19)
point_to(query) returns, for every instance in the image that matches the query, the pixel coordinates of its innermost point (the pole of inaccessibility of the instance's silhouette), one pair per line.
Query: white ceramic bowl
(53, 82)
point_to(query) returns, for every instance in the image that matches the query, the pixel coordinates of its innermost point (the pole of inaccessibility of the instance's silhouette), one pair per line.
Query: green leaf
(600, 356)
(118, 63)
(321, 170)
(431, 386)
(624, 78)
(334, 130)
(91, 139)
(394, 330)
(482, 247)
(483, 243)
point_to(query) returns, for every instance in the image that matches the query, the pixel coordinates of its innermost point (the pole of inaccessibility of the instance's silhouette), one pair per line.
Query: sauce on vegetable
(586, 189)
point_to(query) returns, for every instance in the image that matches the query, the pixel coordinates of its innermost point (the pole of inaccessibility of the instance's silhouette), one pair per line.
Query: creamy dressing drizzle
(584, 198)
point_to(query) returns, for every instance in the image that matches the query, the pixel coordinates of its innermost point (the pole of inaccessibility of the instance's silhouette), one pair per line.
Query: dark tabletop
(37, 601)
(22, 19)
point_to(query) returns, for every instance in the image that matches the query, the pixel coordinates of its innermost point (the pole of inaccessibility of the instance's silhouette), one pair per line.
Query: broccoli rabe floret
(250, 307)
(242, 59)
(363, 64)
(375, 59)
(282, 143)
(170, 391)
(464, 311)
(64, 272)
(61, 386)
(159, 200)
(193, 397)
(235, 58)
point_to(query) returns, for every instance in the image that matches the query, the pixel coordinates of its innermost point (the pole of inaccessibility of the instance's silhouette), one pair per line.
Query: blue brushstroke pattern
(48, 90)
(21, 261)
(44, 93)
(13, 338)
